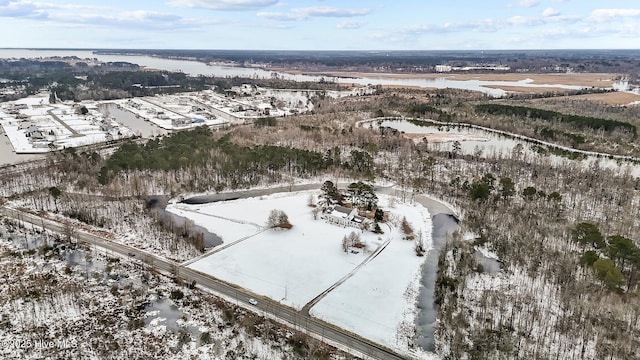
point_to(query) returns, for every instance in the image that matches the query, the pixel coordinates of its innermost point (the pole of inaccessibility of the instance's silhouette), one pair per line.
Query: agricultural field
(372, 284)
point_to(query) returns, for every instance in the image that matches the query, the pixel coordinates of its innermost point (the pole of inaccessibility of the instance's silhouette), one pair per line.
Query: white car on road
(253, 301)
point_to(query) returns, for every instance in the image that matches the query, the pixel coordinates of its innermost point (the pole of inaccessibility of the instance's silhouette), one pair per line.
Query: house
(345, 216)
(340, 215)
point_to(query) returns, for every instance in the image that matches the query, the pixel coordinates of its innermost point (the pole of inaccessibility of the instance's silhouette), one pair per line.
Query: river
(196, 68)
(443, 226)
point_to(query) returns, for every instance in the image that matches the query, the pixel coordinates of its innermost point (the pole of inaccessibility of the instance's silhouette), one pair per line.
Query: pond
(140, 126)
(9, 157)
(163, 311)
(484, 142)
(442, 137)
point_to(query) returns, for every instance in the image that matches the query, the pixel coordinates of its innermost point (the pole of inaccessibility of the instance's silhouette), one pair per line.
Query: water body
(168, 315)
(490, 143)
(196, 68)
(210, 239)
(162, 308)
(85, 263)
(141, 127)
(489, 265)
(8, 156)
(443, 226)
(495, 142)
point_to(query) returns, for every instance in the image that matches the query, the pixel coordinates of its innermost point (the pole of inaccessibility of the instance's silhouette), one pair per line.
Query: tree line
(577, 121)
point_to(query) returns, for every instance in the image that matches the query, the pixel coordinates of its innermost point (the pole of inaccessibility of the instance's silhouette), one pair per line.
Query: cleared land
(604, 80)
(294, 266)
(613, 98)
(526, 89)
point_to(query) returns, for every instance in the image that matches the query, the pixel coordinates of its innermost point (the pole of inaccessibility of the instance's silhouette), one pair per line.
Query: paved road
(434, 206)
(305, 309)
(66, 126)
(320, 329)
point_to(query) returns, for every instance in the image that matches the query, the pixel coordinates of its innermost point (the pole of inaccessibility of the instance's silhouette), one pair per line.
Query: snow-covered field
(229, 231)
(378, 302)
(294, 266)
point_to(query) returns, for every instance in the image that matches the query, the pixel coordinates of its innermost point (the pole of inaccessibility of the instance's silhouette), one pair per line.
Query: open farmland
(375, 284)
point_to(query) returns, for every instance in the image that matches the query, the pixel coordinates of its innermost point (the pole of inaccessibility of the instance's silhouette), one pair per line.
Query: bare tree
(278, 219)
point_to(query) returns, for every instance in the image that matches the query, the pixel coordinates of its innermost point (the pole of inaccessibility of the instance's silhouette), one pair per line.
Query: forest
(576, 121)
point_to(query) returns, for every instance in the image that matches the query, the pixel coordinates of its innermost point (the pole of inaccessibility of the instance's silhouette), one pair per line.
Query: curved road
(317, 328)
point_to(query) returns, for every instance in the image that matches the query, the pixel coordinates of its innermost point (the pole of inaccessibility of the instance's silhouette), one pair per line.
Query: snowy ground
(294, 266)
(228, 230)
(59, 303)
(378, 302)
(69, 129)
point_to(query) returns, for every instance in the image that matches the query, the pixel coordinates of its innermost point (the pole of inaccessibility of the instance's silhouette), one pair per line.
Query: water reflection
(158, 206)
(195, 68)
(140, 126)
(443, 226)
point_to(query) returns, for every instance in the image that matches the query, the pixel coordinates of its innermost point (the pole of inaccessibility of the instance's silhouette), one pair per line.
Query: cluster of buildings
(491, 67)
(34, 125)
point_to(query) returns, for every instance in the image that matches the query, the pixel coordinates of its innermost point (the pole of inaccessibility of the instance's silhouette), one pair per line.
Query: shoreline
(571, 79)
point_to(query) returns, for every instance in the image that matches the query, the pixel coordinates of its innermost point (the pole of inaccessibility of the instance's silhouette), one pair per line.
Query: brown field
(612, 98)
(597, 80)
(576, 79)
(408, 87)
(526, 89)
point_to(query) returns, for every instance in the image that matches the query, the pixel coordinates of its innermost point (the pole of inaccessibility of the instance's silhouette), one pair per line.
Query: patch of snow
(294, 266)
(379, 301)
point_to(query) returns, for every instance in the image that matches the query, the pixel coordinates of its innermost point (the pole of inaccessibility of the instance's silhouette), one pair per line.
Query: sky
(321, 24)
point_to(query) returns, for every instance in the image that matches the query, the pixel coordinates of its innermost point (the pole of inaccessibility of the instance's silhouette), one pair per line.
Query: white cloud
(20, 9)
(318, 11)
(528, 3)
(603, 15)
(548, 12)
(45, 5)
(70, 15)
(224, 4)
(38, 10)
(129, 19)
(347, 24)
(485, 25)
(522, 20)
